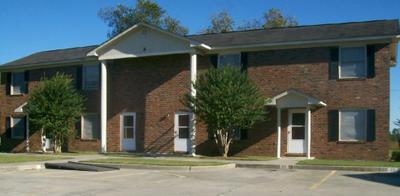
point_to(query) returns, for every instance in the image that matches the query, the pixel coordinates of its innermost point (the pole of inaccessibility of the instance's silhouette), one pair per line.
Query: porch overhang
(293, 98)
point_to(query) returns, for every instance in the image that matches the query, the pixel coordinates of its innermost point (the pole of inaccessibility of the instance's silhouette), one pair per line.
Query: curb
(159, 167)
(22, 167)
(320, 167)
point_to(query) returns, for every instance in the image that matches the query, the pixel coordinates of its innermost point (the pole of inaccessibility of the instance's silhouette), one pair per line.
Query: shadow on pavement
(384, 178)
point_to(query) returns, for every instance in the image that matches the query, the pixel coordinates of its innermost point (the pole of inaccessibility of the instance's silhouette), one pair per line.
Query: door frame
(289, 127)
(176, 130)
(121, 127)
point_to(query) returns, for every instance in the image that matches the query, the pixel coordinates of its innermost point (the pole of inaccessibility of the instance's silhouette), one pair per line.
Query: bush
(395, 156)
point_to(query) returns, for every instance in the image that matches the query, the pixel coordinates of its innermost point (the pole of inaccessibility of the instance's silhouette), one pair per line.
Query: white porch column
(103, 116)
(193, 75)
(278, 125)
(308, 128)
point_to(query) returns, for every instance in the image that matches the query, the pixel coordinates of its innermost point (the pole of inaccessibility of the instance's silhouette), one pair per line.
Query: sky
(31, 26)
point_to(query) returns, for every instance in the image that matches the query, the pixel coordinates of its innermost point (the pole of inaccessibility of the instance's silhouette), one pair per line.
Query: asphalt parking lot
(199, 182)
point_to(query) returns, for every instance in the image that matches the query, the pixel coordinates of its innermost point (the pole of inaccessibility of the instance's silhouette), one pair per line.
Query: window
(91, 126)
(353, 63)
(18, 85)
(128, 126)
(229, 60)
(352, 125)
(18, 127)
(183, 125)
(91, 77)
(298, 125)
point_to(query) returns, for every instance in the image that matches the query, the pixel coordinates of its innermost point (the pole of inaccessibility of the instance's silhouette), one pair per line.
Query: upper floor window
(353, 62)
(91, 77)
(229, 60)
(18, 83)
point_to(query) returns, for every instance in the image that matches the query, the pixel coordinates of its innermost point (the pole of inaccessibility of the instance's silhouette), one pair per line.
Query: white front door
(128, 131)
(182, 130)
(297, 131)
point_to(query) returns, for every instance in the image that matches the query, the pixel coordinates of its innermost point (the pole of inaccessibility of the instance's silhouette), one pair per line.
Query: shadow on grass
(392, 179)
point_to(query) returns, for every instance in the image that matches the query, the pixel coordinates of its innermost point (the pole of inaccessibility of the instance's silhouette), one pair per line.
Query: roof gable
(144, 40)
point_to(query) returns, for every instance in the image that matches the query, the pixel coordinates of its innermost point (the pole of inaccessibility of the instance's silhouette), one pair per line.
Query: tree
(220, 23)
(250, 25)
(275, 18)
(54, 107)
(122, 17)
(226, 100)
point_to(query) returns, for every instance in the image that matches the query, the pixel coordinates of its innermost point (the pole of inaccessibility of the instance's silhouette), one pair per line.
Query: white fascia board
(297, 43)
(145, 55)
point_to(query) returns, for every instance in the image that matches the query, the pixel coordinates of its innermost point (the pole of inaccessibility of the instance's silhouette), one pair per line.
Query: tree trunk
(43, 140)
(223, 142)
(57, 146)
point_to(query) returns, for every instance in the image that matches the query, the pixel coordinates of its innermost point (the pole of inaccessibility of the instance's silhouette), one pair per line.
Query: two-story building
(329, 87)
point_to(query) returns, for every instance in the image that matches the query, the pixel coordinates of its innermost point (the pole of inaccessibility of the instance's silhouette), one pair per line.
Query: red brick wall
(9, 103)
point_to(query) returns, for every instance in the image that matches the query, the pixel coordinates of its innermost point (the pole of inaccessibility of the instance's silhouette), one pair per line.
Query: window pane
(18, 83)
(352, 62)
(184, 120)
(128, 121)
(91, 127)
(230, 60)
(352, 125)
(91, 77)
(298, 132)
(353, 69)
(128, 133)
(183, 132)
(18, 128)
(298, 118)
(236, 134)
(353, 54)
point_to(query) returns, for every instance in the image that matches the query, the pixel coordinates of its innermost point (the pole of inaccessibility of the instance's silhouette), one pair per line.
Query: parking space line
(316, 185)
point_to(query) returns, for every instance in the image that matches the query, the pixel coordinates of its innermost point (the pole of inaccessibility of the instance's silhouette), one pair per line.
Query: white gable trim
(310, 101)
(192, 43)
(20, 109)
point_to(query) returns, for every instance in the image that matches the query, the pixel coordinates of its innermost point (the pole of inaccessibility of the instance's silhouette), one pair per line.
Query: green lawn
(155, 161)
(18, 158)
(349, 163)
(243, 158)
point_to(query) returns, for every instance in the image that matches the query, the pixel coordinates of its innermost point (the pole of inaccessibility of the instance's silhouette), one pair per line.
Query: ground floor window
(128, 126)
(18, 127)
(352, 125)
(183, 125)
(91, 126)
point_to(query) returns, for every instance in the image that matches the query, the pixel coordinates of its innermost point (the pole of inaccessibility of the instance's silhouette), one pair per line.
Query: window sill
(351, 142)
(351, 79)
(17, 95)
(87, 140)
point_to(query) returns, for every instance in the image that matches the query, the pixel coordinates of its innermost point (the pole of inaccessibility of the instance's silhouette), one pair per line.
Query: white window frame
(123, 126)
(12, 83)
(83, 123)
(189, 126)
(12, 127)
(84, 76)
(230, 53)
(365, 61)
(365, 121)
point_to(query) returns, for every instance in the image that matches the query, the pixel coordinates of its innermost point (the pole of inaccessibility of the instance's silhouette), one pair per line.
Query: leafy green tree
(220, 23)
(275, 18)
(54, 107)
(226, 100)
(122, 17)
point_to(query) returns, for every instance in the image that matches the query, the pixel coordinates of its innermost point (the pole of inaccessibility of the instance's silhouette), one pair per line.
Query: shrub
(395, 156)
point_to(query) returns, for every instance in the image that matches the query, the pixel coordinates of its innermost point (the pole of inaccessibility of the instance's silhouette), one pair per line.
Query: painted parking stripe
(316, 185)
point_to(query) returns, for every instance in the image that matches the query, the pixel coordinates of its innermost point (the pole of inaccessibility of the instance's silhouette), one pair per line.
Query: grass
(20, 158)
(244, 158)
(349, 163)
(155, 161)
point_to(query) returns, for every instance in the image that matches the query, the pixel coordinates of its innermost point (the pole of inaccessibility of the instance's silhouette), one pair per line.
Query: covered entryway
(299, 106)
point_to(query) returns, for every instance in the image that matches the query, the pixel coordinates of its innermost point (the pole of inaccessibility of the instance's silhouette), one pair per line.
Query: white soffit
(296, 98)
